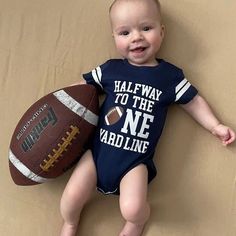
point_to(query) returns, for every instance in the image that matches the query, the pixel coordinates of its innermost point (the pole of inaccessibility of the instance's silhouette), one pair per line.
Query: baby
(139, 89)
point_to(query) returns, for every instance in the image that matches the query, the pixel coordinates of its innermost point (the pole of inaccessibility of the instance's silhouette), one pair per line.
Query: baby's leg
(77, 192)
(133, 201)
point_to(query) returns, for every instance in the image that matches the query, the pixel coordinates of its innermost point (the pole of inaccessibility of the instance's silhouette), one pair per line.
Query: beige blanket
(48, 44)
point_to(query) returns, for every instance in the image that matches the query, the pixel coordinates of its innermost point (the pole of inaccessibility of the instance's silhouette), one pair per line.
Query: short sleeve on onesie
(94, 77)
(133, 115)
(184, 91)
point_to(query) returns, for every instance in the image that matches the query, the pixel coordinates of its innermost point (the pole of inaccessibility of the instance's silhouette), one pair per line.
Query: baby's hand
(224, 133)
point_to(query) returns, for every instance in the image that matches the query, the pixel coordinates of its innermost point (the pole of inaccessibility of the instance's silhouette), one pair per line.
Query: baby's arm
(199, 109)
(82, 81)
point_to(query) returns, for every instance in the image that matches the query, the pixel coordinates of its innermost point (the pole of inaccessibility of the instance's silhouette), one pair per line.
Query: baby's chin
(142, 62)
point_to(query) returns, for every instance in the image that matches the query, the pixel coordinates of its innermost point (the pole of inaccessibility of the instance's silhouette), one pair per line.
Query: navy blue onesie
(132, 115)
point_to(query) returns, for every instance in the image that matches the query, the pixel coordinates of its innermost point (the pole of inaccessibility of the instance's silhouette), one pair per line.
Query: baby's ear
(162, 31)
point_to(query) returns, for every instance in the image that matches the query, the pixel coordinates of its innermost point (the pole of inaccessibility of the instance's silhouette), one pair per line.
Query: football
(114, 115)
(53, 134)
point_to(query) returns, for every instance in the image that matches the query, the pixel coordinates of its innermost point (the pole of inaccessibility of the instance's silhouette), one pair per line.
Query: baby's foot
(131, 229)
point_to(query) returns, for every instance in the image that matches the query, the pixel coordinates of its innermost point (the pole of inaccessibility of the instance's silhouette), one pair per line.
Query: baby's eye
(124, 33)
(146, 28)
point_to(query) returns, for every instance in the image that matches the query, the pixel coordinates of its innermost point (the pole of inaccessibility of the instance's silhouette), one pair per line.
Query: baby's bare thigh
(83, 179)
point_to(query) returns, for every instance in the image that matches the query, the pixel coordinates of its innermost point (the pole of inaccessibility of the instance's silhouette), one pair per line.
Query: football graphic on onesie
(53, 134)
(114, 115)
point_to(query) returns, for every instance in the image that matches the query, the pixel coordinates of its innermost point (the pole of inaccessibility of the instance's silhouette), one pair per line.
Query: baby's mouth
(138, 49)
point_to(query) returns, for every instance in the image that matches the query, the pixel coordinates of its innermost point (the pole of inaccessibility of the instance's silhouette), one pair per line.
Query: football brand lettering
(35, 133)
(27, 124)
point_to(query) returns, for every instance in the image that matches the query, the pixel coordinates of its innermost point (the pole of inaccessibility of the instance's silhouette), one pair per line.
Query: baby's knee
(135, 210)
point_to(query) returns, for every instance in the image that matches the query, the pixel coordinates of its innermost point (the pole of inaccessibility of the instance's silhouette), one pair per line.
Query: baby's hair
(157, 2)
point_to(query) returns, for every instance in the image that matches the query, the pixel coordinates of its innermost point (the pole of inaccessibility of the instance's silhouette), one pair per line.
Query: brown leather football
(53, 134)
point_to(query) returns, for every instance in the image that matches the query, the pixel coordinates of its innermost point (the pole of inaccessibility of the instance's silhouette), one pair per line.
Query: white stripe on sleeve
(180, 85)
(97, 75)
(181, 88)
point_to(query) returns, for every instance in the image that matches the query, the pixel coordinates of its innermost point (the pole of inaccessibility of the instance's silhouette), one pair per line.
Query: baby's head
(137, 30)
(156, 2)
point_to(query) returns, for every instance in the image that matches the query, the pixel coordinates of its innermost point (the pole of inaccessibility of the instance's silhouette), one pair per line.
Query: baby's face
(137, 31)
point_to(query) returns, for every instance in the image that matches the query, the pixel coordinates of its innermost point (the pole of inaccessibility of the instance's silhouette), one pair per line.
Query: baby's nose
(137, 36)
